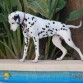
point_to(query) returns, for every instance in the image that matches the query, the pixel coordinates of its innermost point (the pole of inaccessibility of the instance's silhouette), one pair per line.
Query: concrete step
(42, 65)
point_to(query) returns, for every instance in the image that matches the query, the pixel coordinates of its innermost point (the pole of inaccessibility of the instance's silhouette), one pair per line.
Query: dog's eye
(12, 23)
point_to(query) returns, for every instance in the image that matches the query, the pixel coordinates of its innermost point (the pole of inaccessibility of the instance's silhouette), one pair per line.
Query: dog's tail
(73, 26)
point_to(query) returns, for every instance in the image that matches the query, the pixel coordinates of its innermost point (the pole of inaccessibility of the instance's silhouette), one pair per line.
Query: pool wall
(41, 77)
(45, 71)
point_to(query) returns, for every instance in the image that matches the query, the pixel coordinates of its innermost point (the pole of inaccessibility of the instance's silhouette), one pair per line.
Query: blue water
(41, 77)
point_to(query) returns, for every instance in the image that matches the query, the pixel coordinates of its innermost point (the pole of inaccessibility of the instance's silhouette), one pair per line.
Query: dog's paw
(34, 61)
(21, 60)
(59, 59)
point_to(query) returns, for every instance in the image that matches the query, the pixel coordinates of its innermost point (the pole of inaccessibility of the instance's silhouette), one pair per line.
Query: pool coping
(42, 65)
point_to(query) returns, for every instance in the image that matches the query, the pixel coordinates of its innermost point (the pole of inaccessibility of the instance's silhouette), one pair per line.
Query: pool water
(41, 77)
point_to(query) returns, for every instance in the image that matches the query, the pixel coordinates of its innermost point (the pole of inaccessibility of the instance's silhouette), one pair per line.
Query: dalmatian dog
(37, 28)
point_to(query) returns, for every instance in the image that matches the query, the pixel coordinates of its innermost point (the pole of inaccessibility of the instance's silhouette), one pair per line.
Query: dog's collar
(23, 24)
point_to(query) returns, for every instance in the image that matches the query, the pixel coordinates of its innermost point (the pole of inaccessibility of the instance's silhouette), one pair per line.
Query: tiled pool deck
(42, 65)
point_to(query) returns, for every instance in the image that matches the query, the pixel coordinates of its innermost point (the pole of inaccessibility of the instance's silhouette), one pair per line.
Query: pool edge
(42, 65)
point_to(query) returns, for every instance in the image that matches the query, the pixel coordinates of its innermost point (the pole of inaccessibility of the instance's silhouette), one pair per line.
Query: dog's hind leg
(71, 44)
(57, 42)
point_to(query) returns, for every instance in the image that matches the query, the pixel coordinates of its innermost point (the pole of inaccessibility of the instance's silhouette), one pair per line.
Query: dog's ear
(17, 18)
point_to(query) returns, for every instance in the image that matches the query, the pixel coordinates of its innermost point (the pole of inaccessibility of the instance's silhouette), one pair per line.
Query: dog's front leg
(25, 49)
(36, 44)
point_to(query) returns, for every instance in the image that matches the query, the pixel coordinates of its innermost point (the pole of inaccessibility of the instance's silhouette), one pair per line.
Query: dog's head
(14, 20)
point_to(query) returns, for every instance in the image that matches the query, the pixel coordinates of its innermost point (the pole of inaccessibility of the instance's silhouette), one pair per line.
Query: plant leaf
(39, 6)
(53, 8)
(2, 17)
(61, 4)
(19, 39)
(2, 54)
(8, 48)
(75, 15)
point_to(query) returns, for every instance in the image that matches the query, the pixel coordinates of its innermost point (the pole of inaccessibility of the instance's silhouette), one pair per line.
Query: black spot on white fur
(50, 30)
(47, 26)
(35, 39)
(33, 18)
(32, 24)
(35, 21)
(53, 22)
(63, 29)
(69, 39)
(25, 19)
(26, 25)
(40, 33)
(26, 44)
(63, 25)
(27, 30)
(29, 23)
(17, 17)
(48, 23)
(56, 29)
(35, 46)
(43, 28)
(24, 31)
(53, 28)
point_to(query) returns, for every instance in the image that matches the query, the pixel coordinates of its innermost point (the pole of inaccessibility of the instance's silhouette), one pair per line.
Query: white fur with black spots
(38, 28)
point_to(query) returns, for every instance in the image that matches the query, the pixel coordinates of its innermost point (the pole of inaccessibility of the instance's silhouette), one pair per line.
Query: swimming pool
(41, 77)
